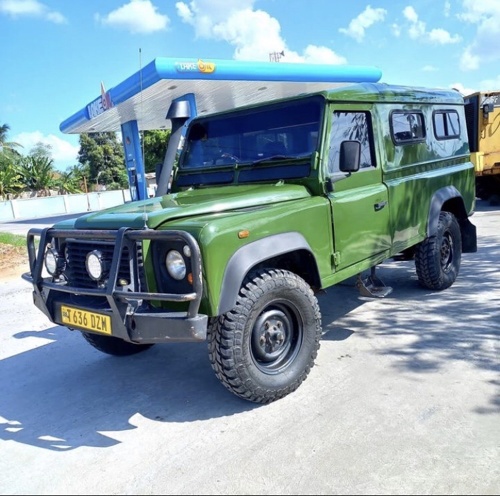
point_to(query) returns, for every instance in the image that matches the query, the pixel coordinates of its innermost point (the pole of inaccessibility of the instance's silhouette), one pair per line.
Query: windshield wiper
(273, 158)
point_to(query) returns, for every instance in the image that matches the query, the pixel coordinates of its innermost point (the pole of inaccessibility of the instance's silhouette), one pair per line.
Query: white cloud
(185, 13)
(476, 12)
(484, 48)
(417, 30)
(442, 37)
(63, 152)
(30, 8)
(490, 84)
(137, 16)
(396, 30)
(429, 68)
(367, 18)
(56, 17)
(205, 15)
(320, 54)
(447, 8)
(469, 61)
(410, 14)
(254, 34)
(462, 89)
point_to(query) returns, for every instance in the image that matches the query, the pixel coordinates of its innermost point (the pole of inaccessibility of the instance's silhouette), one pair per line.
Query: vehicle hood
(154, 212)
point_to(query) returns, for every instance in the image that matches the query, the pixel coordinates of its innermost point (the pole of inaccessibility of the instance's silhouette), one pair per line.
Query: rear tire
(265, 347)
(114, 346)
(437, 258)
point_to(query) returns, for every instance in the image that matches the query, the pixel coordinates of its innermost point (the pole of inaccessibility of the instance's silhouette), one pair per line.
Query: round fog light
(94, 265)
(53, 262)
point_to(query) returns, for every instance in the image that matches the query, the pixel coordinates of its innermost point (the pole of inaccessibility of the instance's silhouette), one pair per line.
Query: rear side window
(446, 124)
(407, 127)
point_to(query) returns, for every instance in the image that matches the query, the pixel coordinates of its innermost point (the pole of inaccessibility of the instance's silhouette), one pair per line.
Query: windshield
(271, 132)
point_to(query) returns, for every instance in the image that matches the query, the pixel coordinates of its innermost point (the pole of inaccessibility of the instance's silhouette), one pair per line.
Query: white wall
(32, 208)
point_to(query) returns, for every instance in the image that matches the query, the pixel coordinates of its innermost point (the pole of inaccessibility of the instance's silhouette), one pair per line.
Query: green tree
(4, 129)
(155, 145)
(4, 144)
(37, 173)
(103, 154)
(10, 176)
(41, 150)
(72, 180)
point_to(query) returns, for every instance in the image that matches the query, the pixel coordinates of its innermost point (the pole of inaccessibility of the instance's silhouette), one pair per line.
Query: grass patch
(12, 239)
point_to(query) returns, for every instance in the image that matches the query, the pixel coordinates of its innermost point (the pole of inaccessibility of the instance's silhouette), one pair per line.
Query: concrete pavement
(21, 227)
(404, 399)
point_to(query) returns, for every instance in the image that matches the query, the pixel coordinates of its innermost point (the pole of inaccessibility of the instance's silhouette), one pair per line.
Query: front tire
(437, 258)
(265, 347)
(114, 346)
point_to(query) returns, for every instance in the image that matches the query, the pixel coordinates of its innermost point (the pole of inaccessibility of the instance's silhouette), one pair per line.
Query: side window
(446, 124)
(350, 126)
(407, 127)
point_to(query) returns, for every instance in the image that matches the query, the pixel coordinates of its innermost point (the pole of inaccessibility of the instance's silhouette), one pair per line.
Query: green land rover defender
(266, 206)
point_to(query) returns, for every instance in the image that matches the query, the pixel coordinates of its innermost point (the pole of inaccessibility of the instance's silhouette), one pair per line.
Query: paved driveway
(404, 399)
(21, 227)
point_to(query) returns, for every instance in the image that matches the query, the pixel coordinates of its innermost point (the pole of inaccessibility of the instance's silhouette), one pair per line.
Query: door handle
(379, 206)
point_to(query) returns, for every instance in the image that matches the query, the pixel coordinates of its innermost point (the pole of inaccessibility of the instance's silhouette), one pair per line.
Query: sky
(56, 53)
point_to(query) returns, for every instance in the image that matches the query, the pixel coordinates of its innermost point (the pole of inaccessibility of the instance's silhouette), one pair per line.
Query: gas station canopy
(142, 101)
(216, 85)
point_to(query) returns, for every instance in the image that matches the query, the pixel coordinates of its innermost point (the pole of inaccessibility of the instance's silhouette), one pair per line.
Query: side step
(372, 286)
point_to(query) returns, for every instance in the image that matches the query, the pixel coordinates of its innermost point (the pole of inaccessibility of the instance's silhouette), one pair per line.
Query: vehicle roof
(371, 93)
(383, 92)
(217, 85)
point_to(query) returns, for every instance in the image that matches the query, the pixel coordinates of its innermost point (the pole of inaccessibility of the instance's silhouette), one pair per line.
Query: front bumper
(133, 317)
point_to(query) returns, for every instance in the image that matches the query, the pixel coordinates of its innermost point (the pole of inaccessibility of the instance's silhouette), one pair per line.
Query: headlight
(54, 263)
(94, 264)
(175, 265)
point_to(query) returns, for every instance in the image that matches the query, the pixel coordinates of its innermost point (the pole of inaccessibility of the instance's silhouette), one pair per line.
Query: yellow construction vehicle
(482, 110)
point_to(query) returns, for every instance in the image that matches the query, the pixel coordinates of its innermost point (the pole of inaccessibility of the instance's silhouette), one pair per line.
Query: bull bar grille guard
(123, 237)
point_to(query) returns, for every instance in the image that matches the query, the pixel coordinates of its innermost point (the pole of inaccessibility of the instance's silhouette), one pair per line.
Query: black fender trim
(468, 230)
(439, 198)
(250, 255)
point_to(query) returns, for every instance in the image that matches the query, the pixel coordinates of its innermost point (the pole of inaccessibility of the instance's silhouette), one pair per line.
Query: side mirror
(350, 156)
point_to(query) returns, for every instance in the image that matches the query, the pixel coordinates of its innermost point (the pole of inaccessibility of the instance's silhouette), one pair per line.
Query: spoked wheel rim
(446, 252)
(277, 335)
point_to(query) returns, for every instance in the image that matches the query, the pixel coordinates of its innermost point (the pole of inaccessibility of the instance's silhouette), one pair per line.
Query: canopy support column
(133, 161)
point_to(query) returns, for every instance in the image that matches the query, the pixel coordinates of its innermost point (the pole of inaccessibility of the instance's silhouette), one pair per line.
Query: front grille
(76, 254)
(129, 273)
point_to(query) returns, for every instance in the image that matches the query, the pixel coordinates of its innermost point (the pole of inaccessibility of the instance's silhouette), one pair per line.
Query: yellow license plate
(74, 317)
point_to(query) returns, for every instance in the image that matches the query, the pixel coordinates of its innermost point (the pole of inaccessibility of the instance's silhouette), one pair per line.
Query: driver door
(359, 200)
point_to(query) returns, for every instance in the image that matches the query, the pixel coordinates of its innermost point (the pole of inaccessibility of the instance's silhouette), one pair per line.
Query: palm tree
(4, 128)
(37, 173)
(69, 182)
(10, 176)
(4, 144)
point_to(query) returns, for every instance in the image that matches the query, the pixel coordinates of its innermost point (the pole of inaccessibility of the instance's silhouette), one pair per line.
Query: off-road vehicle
(267, 205)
